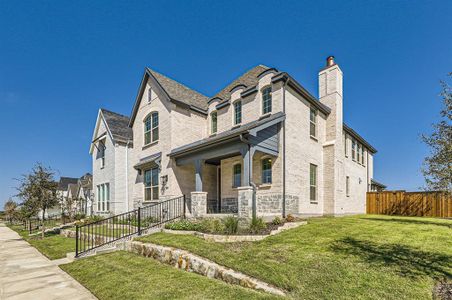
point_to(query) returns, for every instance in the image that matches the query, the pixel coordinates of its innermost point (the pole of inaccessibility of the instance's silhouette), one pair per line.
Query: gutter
(127, 176)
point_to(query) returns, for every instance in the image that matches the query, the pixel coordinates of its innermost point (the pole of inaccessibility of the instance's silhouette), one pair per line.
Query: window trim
(353, 149)
(211, 122)
(151, 129)
(151, 187)
(311, 122)
(103, 197)
(311, 184)
(267, 87)
(346, 145)
(234, 112)
(347, 186)
(234, 185)
(262, 170)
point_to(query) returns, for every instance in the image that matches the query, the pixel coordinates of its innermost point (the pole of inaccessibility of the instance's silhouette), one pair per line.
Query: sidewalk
(27, 274)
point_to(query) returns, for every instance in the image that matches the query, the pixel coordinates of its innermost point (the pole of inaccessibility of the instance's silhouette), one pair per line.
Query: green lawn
(123, 275)
(53, 246)
(359, 257)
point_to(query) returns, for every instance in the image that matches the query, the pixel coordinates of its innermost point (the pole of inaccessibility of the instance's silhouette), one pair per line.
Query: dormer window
(237, 112)
(267, 100)
(101, 153)
(151, 128)
(213, 122)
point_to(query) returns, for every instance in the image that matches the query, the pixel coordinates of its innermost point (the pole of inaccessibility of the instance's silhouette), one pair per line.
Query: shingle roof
(65, 181)
(248, 79)
(180, 92)
(73, 189)
(118, 125)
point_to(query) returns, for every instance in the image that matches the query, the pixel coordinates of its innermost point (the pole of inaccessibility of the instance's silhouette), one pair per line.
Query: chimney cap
(330, 61)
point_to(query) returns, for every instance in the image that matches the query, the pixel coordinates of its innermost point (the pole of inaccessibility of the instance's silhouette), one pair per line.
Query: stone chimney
(330, 94)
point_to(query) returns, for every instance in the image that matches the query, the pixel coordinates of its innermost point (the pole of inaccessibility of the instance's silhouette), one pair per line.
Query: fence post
(29, 226)
(76, 240)
(139, 220)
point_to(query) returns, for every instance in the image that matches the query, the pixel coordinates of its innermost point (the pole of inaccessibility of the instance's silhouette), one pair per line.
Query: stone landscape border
(221, 238)
(190, 262)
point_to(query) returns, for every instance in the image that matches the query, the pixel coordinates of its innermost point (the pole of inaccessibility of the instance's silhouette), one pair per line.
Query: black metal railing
(97, 234)
(34, 225)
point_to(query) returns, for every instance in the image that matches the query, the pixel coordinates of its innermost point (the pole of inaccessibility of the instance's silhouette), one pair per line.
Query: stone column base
(198, 204)
(245, 202)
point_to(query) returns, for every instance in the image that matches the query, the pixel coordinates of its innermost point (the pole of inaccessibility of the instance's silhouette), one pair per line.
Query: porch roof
(251, 127)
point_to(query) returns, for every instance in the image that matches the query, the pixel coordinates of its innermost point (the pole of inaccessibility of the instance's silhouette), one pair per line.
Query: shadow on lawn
(407, 261)
(410, 221)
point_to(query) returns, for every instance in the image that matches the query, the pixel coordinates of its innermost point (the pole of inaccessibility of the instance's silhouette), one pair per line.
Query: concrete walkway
(27, 274)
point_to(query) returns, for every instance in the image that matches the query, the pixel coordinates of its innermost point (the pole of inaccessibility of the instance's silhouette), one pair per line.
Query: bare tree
(38, 190)
(437, 167)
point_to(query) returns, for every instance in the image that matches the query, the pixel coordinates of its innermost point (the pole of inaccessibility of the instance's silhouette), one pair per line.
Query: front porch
(229, 167)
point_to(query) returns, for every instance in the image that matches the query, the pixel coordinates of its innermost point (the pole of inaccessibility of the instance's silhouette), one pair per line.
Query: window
(345, 145)
(313, 122)
(103, 197)
(353, 149)
(267, 100)
(347, 186)
(362, 155)
(237, 175)
(213, 117)
(101, 151)
(358, 153)
(149, 95)
(267, 170)
(237, 112)
(151, 128)
(151, 184)
(313, 183)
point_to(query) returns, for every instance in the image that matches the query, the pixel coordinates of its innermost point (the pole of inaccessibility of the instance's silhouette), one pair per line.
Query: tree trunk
(43, 228)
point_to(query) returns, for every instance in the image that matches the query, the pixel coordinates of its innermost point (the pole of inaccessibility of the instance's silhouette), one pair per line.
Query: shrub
(182, 225)
(212, 226)
(257, 224)
(94, 218)
(231, 225)
(277, 221)
(290, 218)
(79, 216)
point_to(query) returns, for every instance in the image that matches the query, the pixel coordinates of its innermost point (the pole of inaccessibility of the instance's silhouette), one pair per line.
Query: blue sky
(62, 60)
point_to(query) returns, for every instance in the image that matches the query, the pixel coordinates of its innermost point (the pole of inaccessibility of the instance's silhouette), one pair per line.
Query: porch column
(247, 154)
(198, 175)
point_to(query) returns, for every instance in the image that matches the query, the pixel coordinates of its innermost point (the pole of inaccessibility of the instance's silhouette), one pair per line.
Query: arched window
(267, 100)
(237, 112)
(237, 175)
(213, 127)
(151, 128)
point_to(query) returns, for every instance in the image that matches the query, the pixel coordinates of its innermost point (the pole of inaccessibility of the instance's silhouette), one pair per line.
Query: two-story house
(262, 143)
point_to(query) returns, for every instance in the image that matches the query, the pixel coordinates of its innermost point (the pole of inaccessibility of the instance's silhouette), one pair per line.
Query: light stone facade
(296, 151)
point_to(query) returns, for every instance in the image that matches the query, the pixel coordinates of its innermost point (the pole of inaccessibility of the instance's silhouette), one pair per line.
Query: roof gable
(118, 125)
(65, 181)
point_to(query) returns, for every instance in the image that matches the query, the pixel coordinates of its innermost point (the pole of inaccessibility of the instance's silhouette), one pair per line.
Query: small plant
(277, 221)
(182, 225)
(290, 218)
(79, 216)
(231, 225)
(257, 225)
(211, 226)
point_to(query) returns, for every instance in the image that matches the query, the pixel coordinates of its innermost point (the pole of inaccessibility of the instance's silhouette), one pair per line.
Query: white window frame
(313, 179)
(212, 131)
(234, 112)
(269, 99)
(353, 149)
(103, 197)
(101, 149)
(358, 153)
(313, 112)
(153, 130)
(346, 145)
(263, 177)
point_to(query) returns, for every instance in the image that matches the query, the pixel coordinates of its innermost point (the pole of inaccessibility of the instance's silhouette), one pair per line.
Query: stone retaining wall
(192, 263)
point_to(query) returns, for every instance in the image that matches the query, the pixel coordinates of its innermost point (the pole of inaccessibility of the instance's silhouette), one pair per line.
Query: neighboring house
(263, 133)
(376, 186)
(111, 139)
(71, 199)
(62, 190)
(85, 194)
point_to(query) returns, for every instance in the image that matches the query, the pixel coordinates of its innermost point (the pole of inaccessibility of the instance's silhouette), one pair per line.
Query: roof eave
(353, 133)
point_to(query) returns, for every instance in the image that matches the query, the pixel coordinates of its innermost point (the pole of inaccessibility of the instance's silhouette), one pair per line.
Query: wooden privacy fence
(401, 203)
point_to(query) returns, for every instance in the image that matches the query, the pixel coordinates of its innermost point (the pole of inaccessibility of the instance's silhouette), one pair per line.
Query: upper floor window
(313, 122)
(267, 100)
(151, 128)
(358, 153)
(347, 186)
(313, 182)
(237, 175)
(267, 170)
(237, 112)
(101, 151)
(353, 149)
(362, 155)
(345, 145)
(213, 128)
(151, 184)
(103, 197)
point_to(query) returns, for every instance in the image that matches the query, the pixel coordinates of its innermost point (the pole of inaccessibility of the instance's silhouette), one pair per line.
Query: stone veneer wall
(270, 204)
(229, 205)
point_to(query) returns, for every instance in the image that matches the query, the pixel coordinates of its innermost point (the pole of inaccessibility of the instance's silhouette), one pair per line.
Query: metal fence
(96, 234)
(34, 225)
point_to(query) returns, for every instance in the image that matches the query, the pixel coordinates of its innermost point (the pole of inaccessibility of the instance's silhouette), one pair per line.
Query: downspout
(127, 175)
(284, 150)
